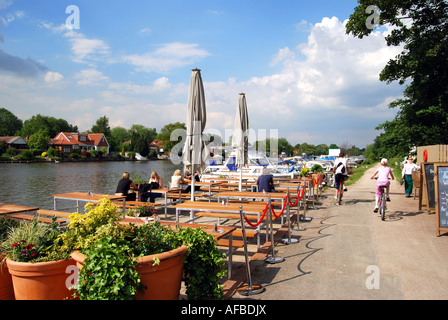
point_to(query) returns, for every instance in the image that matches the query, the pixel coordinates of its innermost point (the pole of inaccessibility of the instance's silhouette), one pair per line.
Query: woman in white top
(406, 175)
(177, 179)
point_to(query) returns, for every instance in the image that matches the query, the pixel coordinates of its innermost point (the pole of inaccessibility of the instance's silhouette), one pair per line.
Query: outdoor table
(165, 192)
(255, 195)
(220, 232)
(12, 208)
(233, 208)
(210, 185)
(87, 197)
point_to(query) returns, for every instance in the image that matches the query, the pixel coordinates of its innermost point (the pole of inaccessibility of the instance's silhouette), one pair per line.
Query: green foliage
(165, 134)
(204, 265)
(421, 27)
(39, 122)
(10, 125)
(316, 168)
(34, 242)
(109, 272)
(111, 246)
(304, 172)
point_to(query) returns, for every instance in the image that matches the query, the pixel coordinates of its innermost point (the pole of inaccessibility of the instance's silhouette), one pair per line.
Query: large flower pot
(40, 281)
(6, 288)
(162, 281)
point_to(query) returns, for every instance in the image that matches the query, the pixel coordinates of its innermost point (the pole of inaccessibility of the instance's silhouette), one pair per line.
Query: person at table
(177, 179)
(124, 185)
(265, 182)
(155, 182)
(189, 178)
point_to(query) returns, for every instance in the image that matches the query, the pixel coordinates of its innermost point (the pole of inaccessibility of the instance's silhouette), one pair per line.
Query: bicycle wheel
(383, 207)
(341, 191)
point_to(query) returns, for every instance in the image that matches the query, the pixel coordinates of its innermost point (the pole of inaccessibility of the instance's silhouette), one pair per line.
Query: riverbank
(48, 160)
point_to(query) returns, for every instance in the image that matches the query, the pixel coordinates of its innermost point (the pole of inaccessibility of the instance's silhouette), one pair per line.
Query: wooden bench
(132, 204)
(29, 217)
(237, 233)
(52, 213)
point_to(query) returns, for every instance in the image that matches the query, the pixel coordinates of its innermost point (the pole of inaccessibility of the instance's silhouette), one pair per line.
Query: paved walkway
(344, 248)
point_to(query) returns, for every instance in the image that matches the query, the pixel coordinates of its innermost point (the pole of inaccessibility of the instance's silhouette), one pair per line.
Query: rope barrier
(261, 219)
(299, 197)
(283, 209)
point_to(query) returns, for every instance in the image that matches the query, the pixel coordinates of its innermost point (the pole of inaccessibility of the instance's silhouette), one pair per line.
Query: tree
(118, 136)
(40, 122)
(141, 138)
(39, 140)
(421, 26)
(10, 125)
(164, 135)
(102, 126)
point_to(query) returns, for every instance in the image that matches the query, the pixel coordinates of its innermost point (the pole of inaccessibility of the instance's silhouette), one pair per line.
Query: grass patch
(357, 173)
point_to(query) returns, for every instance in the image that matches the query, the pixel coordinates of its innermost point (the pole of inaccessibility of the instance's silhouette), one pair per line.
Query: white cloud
(327, 92)
(167, 57)
(91, 77)
(52, 77)
(85, 49)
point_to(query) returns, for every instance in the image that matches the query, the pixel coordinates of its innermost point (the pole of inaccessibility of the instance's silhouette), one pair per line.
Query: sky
(304, 79)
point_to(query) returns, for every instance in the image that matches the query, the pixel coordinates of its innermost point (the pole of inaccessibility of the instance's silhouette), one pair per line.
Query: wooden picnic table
(252, 210)
(13, 208)
(208, 185)
(87, 197)
(221, 232)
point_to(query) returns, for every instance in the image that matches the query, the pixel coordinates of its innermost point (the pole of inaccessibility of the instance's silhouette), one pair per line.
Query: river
(33, 184)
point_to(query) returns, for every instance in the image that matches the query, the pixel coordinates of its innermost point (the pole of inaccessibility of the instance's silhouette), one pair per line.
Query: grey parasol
(195, 150)
(240, 139)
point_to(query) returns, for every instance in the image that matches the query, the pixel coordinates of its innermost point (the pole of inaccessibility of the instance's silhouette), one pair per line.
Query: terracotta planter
(6, 288)
(40, 281)
(163, 281)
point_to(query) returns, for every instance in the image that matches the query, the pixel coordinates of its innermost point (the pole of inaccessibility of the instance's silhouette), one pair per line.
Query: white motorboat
(257, 161)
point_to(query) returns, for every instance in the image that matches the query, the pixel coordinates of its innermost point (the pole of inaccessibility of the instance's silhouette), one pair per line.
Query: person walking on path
(406, 174)
(383, 173)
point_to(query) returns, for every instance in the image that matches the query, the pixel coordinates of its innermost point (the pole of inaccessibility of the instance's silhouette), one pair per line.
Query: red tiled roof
(92, 139)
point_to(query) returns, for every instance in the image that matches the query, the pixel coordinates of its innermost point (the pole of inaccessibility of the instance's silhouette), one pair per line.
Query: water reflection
(34, 184)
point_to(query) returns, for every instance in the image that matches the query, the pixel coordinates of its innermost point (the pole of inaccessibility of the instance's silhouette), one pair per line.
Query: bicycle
(382, 203)
(340, 190)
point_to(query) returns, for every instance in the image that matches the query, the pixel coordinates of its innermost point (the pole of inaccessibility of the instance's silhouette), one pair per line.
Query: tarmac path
(348, 253)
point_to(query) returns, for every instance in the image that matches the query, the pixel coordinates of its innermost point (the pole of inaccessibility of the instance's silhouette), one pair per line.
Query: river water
(33, 184)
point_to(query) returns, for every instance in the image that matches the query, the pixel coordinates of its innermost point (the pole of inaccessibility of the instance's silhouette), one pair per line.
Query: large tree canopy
(421, 27)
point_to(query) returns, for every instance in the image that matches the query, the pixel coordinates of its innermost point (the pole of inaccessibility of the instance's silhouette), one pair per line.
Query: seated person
(265, 182)
(155, 182)
(124, 185)
(177, 179)
(188, 178)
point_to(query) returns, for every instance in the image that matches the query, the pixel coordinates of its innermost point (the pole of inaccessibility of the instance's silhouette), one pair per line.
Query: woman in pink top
(383, 173)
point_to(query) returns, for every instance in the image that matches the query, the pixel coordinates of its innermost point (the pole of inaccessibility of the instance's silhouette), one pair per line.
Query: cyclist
(340, 171)
(383, 173)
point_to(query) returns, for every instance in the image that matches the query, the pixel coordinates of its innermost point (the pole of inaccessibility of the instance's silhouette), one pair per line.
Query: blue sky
(131, 61)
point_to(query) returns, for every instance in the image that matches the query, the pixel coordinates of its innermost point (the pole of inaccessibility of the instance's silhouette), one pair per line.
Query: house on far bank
(15, 142)
(68, 142)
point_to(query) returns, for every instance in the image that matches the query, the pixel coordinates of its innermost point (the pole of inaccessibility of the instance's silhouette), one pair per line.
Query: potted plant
(144, 213)
(6, 288)
(150, 258)
(36, 261)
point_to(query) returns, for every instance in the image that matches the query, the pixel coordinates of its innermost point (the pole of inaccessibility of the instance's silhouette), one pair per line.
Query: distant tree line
(40, 129)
